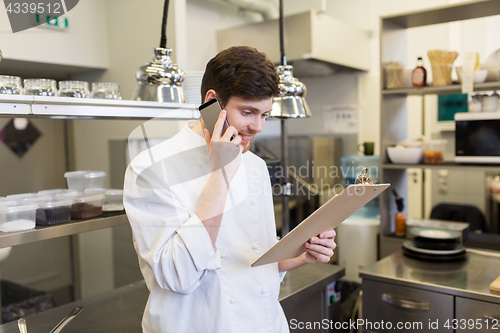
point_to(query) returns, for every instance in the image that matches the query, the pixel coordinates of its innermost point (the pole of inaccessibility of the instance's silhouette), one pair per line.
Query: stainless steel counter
(121, 310)
(467, 278)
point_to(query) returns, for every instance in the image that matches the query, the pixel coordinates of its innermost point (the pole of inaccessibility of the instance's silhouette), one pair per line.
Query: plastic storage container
(113, 201)
(86, 206)
(52, 212)
(22, 196)
(434, 151)
(7, 203)
(82, 180)
(17, 218)
(59, 192)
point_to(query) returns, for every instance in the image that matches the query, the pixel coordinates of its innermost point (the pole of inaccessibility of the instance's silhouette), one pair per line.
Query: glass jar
(106, 90)
(40, 87)
(77, 89)
(10, 85)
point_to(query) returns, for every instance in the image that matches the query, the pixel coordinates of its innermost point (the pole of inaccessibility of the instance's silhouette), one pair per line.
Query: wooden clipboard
(327, 217)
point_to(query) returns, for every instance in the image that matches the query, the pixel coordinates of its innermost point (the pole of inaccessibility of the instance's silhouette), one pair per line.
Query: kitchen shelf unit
(40, 233)
(393, 102)
(443, 90)
(90, 108)
(445, 165)
(21, 106)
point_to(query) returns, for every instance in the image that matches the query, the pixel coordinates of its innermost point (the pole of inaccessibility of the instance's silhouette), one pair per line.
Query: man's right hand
(224, 153)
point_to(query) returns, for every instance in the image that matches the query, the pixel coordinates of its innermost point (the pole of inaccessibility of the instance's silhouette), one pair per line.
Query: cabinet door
(389, 308)
(476, 316)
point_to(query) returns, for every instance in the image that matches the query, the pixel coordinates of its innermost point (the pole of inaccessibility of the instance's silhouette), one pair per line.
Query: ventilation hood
(316, 44)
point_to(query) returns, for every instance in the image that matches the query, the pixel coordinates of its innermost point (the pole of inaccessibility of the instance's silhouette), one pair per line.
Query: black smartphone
(210, 113)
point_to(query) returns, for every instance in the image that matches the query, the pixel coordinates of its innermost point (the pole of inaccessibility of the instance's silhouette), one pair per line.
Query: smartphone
(210, 113)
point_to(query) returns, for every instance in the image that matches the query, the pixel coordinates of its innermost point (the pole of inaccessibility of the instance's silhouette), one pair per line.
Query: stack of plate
(434, 244)
(192, 86)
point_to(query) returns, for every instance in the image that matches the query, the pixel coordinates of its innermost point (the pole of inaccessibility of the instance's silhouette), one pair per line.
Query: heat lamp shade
(290, 102)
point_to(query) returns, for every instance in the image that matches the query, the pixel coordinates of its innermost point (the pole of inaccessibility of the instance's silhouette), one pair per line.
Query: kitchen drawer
(386, 304)
(476, 316)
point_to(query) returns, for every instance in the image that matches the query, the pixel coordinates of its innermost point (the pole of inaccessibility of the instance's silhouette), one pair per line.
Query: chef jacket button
(252, 202)
(223, 255)
(264, 290)
(200, 164)
(254, 246)
(232, 300)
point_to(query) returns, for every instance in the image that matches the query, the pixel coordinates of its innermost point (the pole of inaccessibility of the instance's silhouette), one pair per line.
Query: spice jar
(10, 85)
(40, 87)
(77, 89)
(106, 90)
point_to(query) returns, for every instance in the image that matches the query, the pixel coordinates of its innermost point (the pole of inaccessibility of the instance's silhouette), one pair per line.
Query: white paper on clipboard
(327, 217)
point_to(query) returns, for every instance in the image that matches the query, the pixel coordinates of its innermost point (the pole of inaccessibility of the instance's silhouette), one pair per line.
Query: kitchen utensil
(10, 85)
(40, 87)
(479, 75)
(106, 90)
(393, 75)
(442, 65)
(72, 314)
(366, 148)
(21, 323)
(435, 233)
(434, 151)
(399, 155)
(411, 246)
(434, 244)
(77, 89)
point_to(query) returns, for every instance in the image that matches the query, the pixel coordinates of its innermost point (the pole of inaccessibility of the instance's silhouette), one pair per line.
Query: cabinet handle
(404, 303)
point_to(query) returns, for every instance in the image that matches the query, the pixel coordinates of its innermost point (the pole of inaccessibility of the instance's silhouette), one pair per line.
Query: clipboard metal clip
(363, 178)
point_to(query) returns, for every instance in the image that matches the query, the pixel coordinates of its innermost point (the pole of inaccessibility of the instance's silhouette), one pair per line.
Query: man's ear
(210, 95)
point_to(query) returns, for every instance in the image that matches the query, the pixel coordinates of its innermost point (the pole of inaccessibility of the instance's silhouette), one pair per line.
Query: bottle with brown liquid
(400, 217)
(419, 75)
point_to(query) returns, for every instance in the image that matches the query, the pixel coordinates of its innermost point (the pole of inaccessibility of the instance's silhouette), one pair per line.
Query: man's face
(248, 117)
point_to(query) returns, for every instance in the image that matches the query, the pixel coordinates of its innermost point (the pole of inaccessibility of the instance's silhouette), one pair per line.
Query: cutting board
(495, 285)
(327, 217)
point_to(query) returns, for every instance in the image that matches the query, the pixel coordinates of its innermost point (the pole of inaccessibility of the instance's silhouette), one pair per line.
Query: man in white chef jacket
(201, 212)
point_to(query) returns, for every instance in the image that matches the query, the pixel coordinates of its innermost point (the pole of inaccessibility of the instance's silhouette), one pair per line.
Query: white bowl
(479, 76)
(401, 155)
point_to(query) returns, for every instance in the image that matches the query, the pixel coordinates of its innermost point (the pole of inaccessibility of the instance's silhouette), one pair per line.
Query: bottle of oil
(419, 75)
(400, 217)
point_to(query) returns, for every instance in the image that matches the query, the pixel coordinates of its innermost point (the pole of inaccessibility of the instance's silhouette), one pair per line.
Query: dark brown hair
(240, 71)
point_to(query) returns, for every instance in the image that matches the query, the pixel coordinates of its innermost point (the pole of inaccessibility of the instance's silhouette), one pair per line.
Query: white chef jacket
(194, 288)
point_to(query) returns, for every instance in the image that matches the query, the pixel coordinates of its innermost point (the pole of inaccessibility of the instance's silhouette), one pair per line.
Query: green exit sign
(49, 21)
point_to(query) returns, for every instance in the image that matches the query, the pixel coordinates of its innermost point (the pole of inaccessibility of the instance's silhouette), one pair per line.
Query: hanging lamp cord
(282, 38)
(163, 41)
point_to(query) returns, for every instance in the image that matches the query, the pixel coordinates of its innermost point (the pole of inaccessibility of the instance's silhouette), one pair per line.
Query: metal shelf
(444, 90)
(445, 14)
(445, 165)
(40, 233)
(90, 108)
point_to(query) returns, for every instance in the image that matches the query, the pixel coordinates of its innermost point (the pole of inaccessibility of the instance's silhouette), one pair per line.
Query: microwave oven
(477, 137)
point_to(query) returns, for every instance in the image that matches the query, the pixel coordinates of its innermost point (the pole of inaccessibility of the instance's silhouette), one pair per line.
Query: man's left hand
(319, 249)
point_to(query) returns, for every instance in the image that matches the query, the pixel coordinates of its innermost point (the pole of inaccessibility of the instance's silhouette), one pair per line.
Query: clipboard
(327, 217)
